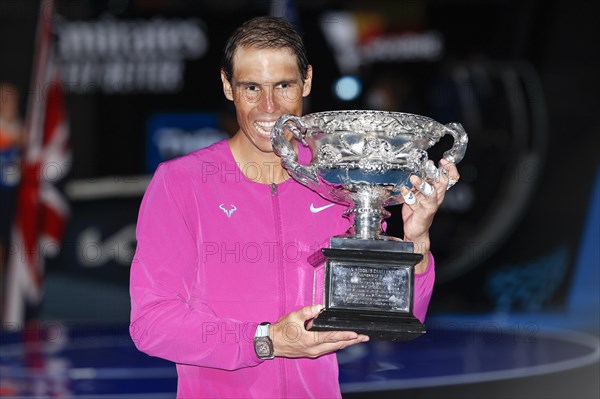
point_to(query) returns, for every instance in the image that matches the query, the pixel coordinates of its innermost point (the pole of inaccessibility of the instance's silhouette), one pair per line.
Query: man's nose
(267, 101)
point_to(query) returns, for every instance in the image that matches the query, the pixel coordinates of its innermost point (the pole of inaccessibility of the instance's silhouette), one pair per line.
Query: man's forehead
(285, 53)
(284, 49)
(270, 65)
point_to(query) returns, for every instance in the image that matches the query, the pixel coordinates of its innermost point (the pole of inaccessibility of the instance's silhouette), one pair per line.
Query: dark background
(532, 155)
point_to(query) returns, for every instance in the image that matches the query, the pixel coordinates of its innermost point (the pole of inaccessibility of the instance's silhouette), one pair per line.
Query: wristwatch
(263, 346)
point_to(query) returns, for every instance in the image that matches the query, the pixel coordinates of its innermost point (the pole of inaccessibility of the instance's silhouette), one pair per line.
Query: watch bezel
(263, 345)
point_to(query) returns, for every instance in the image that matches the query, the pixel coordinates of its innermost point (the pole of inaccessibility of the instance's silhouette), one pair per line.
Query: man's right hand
(292, 339)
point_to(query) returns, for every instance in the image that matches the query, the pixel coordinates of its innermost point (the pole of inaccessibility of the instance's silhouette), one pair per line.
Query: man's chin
(267, 148)
(263, 143)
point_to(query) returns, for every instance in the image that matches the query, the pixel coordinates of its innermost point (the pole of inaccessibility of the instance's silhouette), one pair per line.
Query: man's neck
(258, 166)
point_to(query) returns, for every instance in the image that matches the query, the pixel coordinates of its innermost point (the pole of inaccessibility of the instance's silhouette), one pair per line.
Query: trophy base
(368, 288)
(390, 328)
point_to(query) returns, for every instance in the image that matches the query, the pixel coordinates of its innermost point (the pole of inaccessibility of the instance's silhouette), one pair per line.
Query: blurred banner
(99, 241)
(173, 135)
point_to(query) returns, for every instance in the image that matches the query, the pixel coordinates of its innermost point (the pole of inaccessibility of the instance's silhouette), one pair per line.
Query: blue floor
(101, 361)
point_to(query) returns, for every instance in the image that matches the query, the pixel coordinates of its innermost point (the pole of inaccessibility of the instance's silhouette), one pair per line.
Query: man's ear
(307, 82)
(227, 89)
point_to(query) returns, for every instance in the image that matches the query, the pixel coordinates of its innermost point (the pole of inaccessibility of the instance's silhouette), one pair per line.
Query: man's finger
(310, 312)
(336, 336)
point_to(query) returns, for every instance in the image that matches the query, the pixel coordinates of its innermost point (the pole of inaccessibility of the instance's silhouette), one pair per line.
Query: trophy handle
(283, 148)
(457, 152)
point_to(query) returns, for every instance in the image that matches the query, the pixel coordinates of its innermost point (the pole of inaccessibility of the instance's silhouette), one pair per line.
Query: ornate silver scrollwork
(362, 158)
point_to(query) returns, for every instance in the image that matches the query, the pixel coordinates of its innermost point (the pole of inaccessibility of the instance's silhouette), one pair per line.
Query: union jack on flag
(42, 210)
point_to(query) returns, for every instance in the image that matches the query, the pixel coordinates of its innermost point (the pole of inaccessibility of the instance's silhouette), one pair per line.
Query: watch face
(263, 347)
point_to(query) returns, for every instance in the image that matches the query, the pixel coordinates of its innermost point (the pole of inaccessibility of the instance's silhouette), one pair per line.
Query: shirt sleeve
(423, 290)
(163, 273)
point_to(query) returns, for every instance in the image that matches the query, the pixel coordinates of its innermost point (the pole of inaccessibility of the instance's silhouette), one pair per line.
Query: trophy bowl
(361, 158)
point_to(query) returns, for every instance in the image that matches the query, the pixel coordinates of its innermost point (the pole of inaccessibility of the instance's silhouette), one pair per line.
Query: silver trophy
(361, 159)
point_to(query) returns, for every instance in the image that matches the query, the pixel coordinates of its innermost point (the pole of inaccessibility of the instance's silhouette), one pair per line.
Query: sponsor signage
(173, 135)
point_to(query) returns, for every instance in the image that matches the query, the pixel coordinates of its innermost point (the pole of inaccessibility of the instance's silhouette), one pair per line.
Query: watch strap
(262, 330)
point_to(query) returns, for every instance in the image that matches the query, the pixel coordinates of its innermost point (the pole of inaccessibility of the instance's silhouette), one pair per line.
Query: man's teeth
(265, 127)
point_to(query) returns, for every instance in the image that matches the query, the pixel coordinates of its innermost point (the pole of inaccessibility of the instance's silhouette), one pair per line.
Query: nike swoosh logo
(319, 209)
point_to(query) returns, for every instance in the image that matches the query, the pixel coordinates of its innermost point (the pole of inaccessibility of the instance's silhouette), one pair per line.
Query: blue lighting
(347, 88)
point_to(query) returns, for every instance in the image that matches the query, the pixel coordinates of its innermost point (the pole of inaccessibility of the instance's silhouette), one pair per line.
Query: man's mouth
(264, 128)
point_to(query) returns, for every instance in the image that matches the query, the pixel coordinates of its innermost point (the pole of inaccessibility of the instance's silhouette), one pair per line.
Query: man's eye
(252, 88)
(289, 91)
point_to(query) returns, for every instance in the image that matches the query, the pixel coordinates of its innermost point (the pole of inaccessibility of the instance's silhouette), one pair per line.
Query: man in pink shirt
(220, 283)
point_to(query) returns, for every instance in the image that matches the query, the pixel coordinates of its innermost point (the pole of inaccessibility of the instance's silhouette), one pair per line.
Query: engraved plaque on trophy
(361, 159)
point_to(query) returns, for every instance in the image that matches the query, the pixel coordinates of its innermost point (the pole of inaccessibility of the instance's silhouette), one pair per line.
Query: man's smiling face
(266, 83)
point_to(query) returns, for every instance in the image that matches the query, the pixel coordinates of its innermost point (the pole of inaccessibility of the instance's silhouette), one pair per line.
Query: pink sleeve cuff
(424, 289)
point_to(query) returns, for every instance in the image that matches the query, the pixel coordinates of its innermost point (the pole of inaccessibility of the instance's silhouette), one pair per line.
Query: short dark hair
(265, 33)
